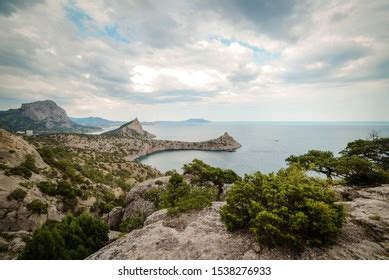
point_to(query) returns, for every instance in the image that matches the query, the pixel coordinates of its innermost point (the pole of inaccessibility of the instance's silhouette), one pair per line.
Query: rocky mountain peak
(44, 110)
(41, 117)
(132, 129)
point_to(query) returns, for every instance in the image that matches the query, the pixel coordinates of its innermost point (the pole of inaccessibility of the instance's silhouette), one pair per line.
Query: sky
(222, 60)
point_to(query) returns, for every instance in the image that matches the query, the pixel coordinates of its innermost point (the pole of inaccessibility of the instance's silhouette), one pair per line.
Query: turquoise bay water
(264, 145)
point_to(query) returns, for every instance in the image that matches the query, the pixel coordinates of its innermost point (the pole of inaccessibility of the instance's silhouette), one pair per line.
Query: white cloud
(126, 55)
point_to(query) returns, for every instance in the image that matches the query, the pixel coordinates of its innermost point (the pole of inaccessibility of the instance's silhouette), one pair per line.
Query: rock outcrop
(202, 235)
(41, 117)
(136, 202)
(132, 129)
(14, 149)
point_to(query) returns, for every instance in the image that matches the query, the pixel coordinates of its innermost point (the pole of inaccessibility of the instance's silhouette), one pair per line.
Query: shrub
(20, 171)
(180, 197)
(196, 199)
(176, 189)
(18, 195)
(286, 208)
(37, 206)
(3, 166)
(133, 223)
(155, 196)
(103, 207)
(73, 238)
(29, 163)
(47, 188)
(25, 169)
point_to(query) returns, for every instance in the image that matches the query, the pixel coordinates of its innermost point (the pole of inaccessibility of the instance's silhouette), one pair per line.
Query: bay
(265, 145)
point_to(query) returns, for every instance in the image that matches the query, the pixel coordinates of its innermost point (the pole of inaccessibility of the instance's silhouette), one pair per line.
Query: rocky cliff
(202, 235)
(132, 129)
(42, 117)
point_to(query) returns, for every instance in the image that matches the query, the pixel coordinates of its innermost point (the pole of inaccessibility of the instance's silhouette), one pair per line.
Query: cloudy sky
(219, 59)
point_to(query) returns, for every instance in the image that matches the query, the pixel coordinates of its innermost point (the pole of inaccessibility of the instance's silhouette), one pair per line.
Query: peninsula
(131, 141)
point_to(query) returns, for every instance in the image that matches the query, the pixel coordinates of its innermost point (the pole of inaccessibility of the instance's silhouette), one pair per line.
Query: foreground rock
(202, 235)
(14, 149)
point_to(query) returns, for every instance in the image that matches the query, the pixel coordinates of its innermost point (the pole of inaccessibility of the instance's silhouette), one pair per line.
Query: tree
(203, 174)
(375, 150)
(318, 161)
(175, 189)
(359, 171)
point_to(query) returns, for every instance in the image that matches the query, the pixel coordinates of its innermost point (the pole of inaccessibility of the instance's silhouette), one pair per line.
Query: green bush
(47, 188)
(180, 197)
(196, 199)
(286, 208)
(18, 195)
(73, 238)
(159, 182)
(19, 171)
(37, 206)
(155, 196)
(131, 224)
(3, 166)
(25, 169)
(29, 163)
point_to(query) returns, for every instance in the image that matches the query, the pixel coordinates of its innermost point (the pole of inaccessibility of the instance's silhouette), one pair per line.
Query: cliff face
(42, 117)
(202, 235)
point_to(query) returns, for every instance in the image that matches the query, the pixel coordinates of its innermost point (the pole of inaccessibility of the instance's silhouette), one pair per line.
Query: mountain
(132, 129)
(96, 121)
(189, 121)
(41, 117)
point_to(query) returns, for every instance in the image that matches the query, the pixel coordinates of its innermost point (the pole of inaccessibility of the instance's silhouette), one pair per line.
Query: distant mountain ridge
(96, 121)
(41, 117)
(189, 121)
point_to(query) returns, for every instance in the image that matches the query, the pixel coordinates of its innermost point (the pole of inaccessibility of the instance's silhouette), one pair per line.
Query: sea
(265, 145)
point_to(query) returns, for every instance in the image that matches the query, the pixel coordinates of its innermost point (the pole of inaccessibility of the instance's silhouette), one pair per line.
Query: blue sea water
(265, 145)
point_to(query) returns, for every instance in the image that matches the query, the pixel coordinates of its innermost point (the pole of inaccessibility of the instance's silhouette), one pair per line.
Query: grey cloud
(274, 18)
(7, 7)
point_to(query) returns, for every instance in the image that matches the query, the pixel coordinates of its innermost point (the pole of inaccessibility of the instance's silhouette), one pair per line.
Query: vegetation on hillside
(72, 238)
